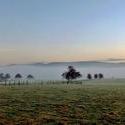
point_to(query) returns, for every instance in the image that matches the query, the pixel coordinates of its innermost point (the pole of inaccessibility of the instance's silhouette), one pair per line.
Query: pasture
(96, 102)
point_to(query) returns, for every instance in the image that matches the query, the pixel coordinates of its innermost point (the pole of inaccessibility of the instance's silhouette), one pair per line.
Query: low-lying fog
(53, 72)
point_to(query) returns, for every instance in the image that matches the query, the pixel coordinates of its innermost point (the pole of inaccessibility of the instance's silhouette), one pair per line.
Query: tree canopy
(71, 74)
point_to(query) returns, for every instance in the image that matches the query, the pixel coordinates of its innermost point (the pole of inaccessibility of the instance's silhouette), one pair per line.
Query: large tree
(71, 74)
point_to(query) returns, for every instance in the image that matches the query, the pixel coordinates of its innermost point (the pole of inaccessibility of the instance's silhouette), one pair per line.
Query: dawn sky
(61, 30)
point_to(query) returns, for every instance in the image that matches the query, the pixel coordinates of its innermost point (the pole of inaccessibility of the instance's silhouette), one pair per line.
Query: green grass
(89, 103)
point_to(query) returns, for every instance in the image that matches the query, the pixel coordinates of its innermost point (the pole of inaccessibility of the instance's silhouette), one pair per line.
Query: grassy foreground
(90, 103)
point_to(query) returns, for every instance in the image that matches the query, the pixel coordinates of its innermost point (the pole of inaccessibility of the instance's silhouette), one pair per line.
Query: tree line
(7, 76)
(72, 74)
(69, 75)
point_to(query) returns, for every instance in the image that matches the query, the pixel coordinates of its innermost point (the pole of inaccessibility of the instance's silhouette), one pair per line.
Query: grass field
(90, 103)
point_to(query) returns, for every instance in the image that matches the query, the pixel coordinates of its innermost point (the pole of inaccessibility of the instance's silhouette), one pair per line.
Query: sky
(61, 30)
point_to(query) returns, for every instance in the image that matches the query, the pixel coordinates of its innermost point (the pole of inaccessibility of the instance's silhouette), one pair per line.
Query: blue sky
(61, 30)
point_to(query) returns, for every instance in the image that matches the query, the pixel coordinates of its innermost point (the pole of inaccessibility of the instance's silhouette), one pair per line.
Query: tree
(89, 76)
(30, 77)
(4, 77)
(95, 76)
(100, 76)
(1, 76)
(71, 74)
(18, 77)
(7, 76)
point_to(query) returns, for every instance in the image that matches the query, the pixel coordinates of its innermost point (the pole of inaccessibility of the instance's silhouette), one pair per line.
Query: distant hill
(95, 63)
(80, 63)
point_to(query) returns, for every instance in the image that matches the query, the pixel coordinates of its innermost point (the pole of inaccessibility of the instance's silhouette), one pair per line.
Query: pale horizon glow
(68, 30)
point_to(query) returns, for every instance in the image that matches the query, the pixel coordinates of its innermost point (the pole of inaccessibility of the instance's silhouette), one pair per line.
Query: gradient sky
(61, 30)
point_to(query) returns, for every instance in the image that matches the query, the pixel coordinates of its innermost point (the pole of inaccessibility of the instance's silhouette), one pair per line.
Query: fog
(54, 72)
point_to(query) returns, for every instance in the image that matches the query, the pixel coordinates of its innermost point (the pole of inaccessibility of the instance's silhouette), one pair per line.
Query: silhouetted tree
(7, 76)
(89, 76)
(1, 76)
(30, 76)
(100, 76)
(95, 76)
(4, 77)
(18, 77)
(71, 74)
